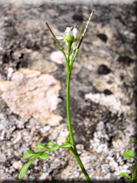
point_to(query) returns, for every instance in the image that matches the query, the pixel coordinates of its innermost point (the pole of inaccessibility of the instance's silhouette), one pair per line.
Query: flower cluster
(70, 34)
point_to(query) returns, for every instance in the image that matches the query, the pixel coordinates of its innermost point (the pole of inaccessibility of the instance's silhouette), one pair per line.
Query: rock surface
(30, 94)
(102, 97)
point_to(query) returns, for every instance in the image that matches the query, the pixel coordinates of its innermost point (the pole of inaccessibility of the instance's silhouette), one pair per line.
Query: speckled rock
(103, 93)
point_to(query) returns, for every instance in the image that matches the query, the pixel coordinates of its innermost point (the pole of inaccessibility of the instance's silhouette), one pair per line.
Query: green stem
(134, 173)
(68, 97)
(75, 47)
(68, 110)
(73, 149)
(80, 41)
(81, 165)
(54, 37)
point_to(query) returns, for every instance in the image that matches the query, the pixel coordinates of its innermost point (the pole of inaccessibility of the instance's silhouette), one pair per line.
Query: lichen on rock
(30, 94)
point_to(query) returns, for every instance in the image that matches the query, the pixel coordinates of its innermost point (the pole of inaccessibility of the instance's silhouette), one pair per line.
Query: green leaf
(54, 148)
(124, 175)
(134, 141)
(129, 154)
(65, 145)
(41, 146)
(43, 156)
(28, 154)
(51, 143)
(24, 169)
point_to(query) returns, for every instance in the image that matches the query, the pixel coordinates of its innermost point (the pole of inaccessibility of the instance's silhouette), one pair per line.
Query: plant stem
(81, 165)
(68, 98)
(68, 110)
(73, 149)
(134, 173)
(54, 37)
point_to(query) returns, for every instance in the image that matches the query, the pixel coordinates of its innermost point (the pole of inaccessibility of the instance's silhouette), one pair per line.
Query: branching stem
(70, 62)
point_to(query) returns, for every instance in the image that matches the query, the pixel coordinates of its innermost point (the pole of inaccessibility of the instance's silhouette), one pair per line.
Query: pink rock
(30, 94)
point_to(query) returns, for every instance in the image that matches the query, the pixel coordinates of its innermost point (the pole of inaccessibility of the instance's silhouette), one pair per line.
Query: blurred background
(71, 1)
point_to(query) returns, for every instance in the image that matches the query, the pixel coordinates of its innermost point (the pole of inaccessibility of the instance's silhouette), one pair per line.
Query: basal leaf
(134, 141)
(65, 145)
(43, 156)
(129, 154)
(124, 175)
(41, 146)
(24, 169)
(28, 154)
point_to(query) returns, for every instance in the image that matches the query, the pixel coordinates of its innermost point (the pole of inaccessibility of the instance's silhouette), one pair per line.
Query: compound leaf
(24, 169)
(65, 145)
(54, 147)
(41, 146)
(51, 143)
(43, 156)
(28, 154)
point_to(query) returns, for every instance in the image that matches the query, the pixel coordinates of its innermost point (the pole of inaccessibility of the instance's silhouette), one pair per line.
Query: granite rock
(103, 104)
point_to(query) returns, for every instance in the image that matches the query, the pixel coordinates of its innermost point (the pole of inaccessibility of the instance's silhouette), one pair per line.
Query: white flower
(70, 34)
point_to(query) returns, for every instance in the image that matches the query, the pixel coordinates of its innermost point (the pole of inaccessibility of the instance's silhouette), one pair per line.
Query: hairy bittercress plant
(70, 37)
(130, 154)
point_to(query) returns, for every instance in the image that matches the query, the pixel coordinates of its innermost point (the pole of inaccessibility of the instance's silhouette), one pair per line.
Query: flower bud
(70, 34)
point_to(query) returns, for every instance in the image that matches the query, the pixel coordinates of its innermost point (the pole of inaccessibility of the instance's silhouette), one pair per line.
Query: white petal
(59, 37)
(75, 32)
(68, 31)
(10, 72)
